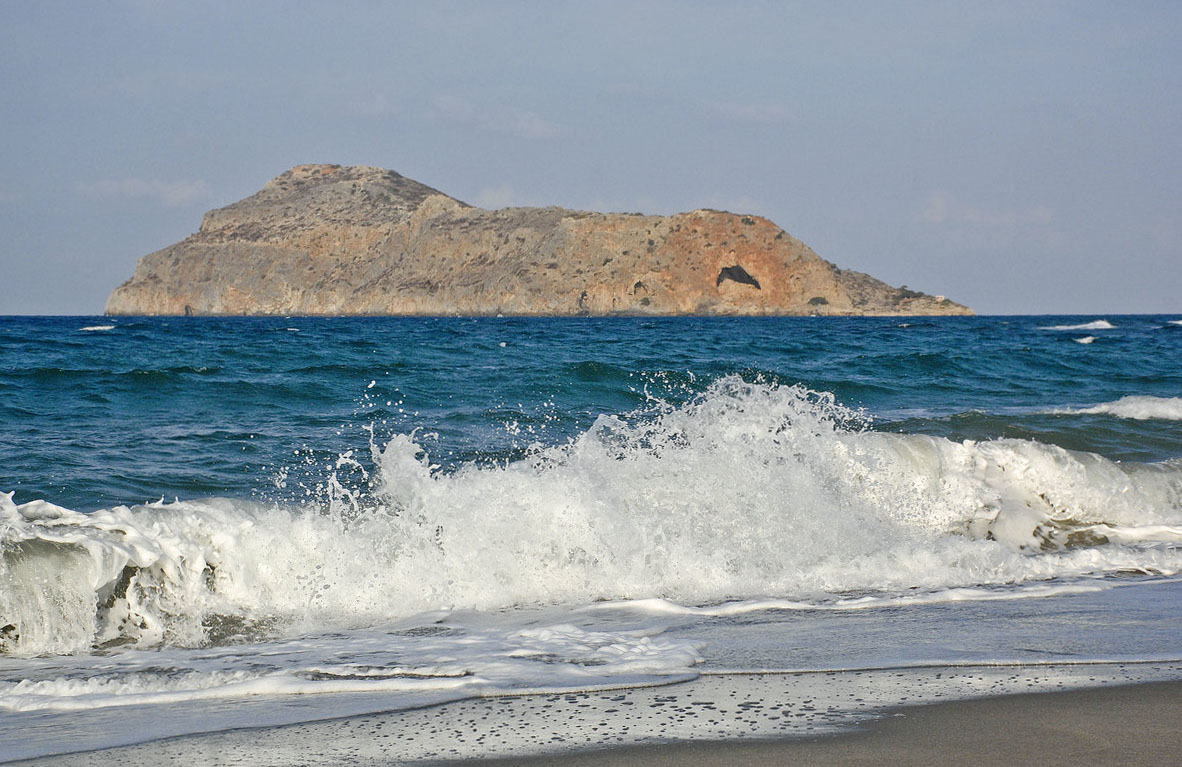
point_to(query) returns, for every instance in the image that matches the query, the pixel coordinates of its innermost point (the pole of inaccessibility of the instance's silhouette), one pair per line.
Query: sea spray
(749, 489)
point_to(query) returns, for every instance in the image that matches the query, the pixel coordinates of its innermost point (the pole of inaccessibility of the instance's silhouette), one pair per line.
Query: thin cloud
(501, 119)
(943, 208)
(627, 89)
(150, 84)
(501, 196)
(170, 194)
(377, 105)
(752, 113)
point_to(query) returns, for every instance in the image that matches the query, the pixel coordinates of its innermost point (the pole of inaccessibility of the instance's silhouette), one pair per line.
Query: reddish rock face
(333, 240)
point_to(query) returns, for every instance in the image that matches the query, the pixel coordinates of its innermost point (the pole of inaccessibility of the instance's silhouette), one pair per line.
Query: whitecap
(750, 490)
(1136, 407)
(94, 328)
(1095, 325)
(1085, 340)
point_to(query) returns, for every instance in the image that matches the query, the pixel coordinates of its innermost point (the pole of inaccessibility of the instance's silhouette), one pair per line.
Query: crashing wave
(1136, 407)
(750, 490)
(1094, 325)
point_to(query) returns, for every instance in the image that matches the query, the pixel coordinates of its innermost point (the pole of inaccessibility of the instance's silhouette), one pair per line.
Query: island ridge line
(356, 240)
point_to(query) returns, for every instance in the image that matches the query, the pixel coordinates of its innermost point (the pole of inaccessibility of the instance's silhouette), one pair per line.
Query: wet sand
(1107, 724)
(1128, 725)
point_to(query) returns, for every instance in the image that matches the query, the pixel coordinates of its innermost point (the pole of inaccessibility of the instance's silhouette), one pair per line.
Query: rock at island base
(333, 240)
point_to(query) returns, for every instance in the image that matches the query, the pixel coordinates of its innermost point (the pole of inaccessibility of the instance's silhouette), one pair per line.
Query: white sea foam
(1175, 322)
(483, 661)
(1137, 407)
(93, 328)
(1095, 325)
(1085, 340)
(659, 606)
(749, 491)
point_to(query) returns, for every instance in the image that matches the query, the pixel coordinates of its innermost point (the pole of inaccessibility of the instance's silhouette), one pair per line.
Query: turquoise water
(216, 517)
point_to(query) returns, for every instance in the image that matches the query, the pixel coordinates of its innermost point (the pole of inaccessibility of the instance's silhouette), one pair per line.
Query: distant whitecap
(1137, 407)
(1095, 325)
(1085, 340)
(92, 328)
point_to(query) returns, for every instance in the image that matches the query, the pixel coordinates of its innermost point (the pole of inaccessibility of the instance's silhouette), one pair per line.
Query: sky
(1018, 157)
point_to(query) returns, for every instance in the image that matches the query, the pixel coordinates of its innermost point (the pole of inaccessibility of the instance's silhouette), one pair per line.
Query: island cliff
(333, 240)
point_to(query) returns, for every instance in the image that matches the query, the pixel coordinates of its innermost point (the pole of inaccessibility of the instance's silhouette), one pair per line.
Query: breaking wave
(1137, 407)
(750, 490)
(1094, 325)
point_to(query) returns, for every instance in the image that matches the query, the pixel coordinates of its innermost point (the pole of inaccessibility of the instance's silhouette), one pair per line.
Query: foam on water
(749, 491)
(93, 328)
(1137, 407)
(1094, 325)
(1086, 340)
(483, 661)
(658, 606)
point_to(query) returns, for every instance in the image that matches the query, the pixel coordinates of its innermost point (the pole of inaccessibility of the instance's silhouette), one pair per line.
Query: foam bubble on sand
(735, 707)
(1095, 325)
(1136, 407)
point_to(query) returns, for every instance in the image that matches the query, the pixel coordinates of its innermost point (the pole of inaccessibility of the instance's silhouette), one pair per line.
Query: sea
(755, 527)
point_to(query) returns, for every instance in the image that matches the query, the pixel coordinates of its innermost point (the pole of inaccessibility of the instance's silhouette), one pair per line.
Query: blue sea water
(387, 512)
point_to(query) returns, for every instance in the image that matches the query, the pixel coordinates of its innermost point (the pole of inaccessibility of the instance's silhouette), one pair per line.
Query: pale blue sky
(1018, 157)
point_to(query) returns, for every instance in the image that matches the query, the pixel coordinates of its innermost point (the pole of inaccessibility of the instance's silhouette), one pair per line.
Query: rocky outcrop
(332, 240)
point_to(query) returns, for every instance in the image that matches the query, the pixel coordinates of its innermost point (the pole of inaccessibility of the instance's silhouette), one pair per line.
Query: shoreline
(1126, 716)
(1132, 724)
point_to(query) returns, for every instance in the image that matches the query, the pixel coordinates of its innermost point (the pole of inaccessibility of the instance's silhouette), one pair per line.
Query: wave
(1137, 407)
(1086, 340)
(546, 658)
(1095, 325)
(659, 606)
(748, 490)
(92, 328)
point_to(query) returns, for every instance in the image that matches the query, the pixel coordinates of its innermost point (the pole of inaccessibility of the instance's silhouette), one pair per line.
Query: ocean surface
(209, 524)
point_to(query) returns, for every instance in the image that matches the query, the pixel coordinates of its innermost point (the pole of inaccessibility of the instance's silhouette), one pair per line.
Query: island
(331, 240)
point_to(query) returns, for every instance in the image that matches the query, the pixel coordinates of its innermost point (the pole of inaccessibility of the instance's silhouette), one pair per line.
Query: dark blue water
(199, 407)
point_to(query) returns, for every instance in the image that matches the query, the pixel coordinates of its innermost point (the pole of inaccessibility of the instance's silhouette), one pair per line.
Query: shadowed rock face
(332, 240)
(738, 274)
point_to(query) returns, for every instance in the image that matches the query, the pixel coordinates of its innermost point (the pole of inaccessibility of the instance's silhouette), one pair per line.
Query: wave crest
(1136, 407)
(749, 490)
(1094, 325)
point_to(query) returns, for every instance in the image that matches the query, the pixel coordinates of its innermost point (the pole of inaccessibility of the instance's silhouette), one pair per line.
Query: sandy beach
(727, 720)
(1127, 725)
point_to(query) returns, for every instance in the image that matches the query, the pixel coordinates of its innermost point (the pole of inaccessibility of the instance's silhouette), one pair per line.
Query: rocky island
(340, 240)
